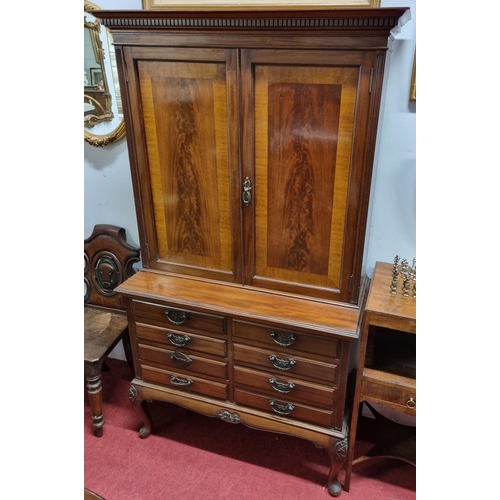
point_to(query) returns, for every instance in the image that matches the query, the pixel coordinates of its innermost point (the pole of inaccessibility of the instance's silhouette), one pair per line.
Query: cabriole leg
(141, 407)
(337, 450)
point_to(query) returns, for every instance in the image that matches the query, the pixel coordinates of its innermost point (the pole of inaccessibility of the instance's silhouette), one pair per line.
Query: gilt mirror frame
(100, 129)
(93, 83)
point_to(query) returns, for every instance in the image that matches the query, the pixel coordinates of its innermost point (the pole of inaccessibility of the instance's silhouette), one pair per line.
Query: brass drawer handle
(282, 364)
(411, 403)
(247, 192)
(280, 386)
(178, 340)
(281, 409)
(176, 317)
(180, 359)
(283, 340)
(174, 379)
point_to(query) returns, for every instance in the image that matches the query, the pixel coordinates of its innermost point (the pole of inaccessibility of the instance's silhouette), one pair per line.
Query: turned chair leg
(94, 389)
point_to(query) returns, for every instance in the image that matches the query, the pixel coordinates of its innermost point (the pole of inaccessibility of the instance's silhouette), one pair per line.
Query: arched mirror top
(103, 116)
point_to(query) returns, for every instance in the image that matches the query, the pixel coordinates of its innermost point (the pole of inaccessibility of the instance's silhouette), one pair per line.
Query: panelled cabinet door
(183, 111)
(305, 118)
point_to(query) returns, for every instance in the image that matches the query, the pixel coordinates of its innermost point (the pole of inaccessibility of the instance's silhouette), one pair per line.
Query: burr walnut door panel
(184, 115)
(305, 118)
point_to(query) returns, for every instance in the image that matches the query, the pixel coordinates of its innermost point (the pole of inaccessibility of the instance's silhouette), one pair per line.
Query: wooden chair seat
(103, 330)
(109, 261)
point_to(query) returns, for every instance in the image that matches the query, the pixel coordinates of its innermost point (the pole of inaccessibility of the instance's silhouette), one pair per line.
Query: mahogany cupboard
(251, 136)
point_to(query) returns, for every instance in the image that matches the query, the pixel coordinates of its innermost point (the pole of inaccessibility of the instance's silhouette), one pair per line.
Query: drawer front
(180, 319)
(279, 363)
(286, 340)
(403, 397)
(284, 408)
(281, 386)
(185, 362)
(188, 383)
(173, 338)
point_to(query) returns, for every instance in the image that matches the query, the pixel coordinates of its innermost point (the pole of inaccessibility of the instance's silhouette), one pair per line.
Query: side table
(386, 373)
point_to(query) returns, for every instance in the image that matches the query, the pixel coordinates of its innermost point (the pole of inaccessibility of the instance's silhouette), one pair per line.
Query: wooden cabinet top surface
(315, 316)
(383, 308)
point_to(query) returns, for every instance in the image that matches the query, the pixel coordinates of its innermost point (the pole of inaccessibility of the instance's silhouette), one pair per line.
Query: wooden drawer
(282, 386)
(177, 339)
(298, 343)
(177, 380)
(283, 407)
(184, 362)
(295, 366)
(392, 390)
(181, 319)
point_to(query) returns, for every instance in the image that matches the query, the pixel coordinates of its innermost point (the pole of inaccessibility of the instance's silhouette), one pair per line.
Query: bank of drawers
(286, 373)
(182, 349)
(283, 372)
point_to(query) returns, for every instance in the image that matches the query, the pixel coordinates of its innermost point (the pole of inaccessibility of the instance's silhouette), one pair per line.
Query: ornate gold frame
(94, 28)
(413, 87)
(91, 120)
(256, 4)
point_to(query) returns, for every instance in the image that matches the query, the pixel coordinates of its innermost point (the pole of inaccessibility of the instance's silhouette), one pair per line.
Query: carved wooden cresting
(108, 260)
(251, 136)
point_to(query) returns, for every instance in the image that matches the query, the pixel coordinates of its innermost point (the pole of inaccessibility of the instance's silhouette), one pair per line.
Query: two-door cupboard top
(251, 137)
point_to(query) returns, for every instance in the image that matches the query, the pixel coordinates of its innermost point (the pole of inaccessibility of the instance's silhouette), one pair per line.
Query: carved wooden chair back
(109, 261)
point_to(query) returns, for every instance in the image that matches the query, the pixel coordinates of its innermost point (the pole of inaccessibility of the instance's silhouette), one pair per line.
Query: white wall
(108, 194)
(391, 227)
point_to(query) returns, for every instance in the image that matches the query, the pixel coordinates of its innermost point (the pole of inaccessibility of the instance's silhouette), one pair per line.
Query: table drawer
(295, 342)
(178, 339)
(284, 408)
(402, 395)
(176, 380)
(280, 363)
(187, 363)
(181, 319)
(282, 386)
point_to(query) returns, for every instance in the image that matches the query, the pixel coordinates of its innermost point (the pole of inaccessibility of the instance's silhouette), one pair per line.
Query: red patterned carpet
(198, 457)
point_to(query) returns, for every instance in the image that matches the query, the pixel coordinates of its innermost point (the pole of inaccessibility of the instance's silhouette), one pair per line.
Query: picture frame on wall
(413, 87)
(249, 4)
(95, 76)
